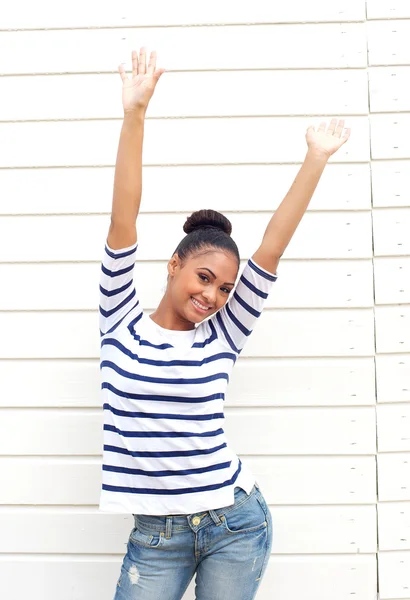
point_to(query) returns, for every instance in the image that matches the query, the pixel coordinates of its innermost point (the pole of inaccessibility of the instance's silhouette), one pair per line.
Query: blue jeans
(227, 548)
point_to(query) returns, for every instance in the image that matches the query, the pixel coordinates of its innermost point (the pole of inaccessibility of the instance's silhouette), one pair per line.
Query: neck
(166, 317)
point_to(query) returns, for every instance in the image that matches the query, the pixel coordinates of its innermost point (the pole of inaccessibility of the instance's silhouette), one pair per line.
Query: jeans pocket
(247, 518)
(146, 540)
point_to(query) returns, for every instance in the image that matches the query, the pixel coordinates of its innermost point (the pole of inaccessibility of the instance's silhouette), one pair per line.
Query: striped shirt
(165, 450)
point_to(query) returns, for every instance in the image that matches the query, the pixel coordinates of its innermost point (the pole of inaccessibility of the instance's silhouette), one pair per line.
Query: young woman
(197, 509)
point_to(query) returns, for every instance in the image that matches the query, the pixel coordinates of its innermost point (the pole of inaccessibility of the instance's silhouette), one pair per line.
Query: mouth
(201, 308)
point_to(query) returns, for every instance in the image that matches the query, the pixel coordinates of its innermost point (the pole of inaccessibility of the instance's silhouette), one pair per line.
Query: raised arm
(136, 94)
(321, 145)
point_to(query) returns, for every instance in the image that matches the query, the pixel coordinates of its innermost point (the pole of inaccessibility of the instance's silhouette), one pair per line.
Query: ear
(173, 265)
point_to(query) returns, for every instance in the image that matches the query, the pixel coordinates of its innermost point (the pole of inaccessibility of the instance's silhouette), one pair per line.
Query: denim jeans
(228, 549)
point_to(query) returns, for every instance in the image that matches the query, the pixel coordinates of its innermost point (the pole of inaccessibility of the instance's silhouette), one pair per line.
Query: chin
(195, 317)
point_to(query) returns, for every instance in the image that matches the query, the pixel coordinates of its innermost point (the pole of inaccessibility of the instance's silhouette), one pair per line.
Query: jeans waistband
(178, 523)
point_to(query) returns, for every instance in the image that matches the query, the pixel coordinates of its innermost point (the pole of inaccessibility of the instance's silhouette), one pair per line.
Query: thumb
(158, 74)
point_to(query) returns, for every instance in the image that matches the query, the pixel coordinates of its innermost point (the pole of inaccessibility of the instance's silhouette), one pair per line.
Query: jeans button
(196, 521)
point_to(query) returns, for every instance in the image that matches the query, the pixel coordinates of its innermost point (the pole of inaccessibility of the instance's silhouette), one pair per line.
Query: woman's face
(201, 285)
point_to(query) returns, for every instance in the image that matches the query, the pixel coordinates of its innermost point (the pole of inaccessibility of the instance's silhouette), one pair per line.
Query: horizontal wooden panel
(392, 280)
(200, 141)
(273, 46)
(187, 95)
(395, 48)
(391, 228)
(335, 332)
(387, 88)
(182, 12)
(254, 382)
(394, 9)
(344, 284)
(393, 476)
(224, 188)
(393, 427)
(352, 429)
(297, 332)
(394, 575)
(391, 183)
(82, 238)
(299, 530)
(290, 480)
(393, 328)
(342, 431)
(287, 577)
(394, 526)
(388, 135)
(310, 530)
(393, 377)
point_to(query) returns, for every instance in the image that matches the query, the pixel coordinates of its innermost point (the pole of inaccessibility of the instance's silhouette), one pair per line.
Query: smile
(200, 307)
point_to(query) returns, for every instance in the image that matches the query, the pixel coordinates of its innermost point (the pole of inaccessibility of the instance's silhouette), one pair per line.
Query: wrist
(318, 155)
(135, 115)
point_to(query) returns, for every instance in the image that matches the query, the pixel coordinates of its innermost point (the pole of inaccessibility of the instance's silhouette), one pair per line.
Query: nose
(210, 296)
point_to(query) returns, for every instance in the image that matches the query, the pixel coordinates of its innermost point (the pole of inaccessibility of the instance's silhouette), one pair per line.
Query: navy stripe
(172, 492)
(246, 306)
(253, 288)
(128, 471)
(158, 398)
(167, 363)
(179, 381)
(143, 415)
(123, 254)
(163, 454)
(147, 343)
(259, 271)
(116, 273)
(137, 337)
(109, 313)
(226, 334)
(110, 293)
(114, 327)
(210, 339)
(237, 322)
(161, 434)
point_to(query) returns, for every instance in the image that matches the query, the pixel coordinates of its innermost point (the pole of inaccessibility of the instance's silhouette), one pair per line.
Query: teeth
(199, 304)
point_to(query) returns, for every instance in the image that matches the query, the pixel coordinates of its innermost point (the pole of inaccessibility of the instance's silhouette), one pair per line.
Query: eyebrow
(213, 274)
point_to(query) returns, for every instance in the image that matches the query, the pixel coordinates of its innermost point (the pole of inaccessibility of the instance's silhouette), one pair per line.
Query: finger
(152, 62)
(142, 67)
(134, 63)
(158, 74)
(346, 135)
(123, 74)
(339, 128)
(322, 126)
(310, 128)
(332, 127)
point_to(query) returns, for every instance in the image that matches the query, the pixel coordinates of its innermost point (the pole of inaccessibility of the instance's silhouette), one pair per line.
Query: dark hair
(206, 229)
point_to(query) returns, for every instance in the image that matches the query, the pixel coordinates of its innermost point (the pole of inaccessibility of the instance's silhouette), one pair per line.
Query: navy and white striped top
(165, 451)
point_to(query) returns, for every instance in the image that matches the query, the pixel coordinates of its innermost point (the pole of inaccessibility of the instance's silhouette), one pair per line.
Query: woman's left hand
(327, 140)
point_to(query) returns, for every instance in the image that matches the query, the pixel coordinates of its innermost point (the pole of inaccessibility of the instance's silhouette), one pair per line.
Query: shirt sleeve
(236, 320)
(117, 291)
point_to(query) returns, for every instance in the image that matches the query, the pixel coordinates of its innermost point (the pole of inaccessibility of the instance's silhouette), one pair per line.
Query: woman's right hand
(138, 90)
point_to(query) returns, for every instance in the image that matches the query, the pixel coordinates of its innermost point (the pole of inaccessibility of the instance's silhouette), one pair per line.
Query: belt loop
(215, 517)
(168, 528)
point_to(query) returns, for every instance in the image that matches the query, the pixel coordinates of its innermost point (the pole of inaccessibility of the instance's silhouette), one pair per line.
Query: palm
(327, 140)
(138, 90)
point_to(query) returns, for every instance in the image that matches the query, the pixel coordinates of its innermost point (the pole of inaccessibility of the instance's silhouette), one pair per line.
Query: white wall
(331, 454)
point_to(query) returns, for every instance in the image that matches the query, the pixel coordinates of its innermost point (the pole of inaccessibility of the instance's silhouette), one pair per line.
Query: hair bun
(207, 218)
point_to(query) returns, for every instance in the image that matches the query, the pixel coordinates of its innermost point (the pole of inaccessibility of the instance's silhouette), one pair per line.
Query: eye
(203, 277)
(225, 290)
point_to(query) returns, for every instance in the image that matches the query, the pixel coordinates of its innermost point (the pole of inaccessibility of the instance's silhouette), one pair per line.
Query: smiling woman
(166, 460)
(201, 272)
